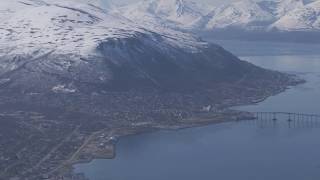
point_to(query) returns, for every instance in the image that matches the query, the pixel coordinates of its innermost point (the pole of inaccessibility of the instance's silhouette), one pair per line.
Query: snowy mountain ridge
(304, 18)
(240, 14)
(36, 25)
(73, 47)
(247, 15)
(70, 71)
(171, 13)
(59, 46)
(265, 15)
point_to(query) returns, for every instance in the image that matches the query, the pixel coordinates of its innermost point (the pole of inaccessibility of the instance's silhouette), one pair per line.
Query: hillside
(74, 77)
(282, 20)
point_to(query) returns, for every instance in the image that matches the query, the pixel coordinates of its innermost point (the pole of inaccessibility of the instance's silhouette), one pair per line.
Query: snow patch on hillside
(306, 18)
(172, 13)
(33, 26)
(246, 13)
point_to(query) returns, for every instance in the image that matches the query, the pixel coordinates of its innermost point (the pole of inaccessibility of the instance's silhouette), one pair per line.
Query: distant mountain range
(173, 13)
(245, 16)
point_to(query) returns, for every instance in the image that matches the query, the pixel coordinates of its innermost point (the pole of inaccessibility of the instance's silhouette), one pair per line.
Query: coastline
(204, 119)
(82, 137)
(110, 146)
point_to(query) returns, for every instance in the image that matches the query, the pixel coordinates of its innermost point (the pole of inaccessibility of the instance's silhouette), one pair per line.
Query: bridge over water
(292, 120)
(290, 116)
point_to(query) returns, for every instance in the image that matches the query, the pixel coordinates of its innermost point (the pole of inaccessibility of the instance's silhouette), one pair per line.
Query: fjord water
(248, 150)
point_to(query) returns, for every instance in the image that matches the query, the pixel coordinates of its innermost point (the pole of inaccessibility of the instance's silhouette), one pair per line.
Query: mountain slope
(93, 38)
(286, 6)
(251, 15)
(280, 8)
(304, 18)
(71, 72)
(173, 13)
(246, 14)
(282, 20)
(76, 54)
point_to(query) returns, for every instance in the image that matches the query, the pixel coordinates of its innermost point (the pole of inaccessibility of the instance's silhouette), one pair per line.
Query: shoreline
(212, 118)
(230, 116)
(97, 138)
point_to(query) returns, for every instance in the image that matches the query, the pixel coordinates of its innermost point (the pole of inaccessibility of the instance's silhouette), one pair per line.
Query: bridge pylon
(274, 117)
(290, 119)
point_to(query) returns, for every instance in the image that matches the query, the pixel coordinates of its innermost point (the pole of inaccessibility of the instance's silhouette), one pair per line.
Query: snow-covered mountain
(303, 18)
(66, 46)
(280, 8)
(241, 14)
(245, 15)
(265, 15)
(283, 7)
(173, 13)
(68, 27)
(69, 70)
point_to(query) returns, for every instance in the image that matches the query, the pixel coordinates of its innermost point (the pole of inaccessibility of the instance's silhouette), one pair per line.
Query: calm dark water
(247, 150)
